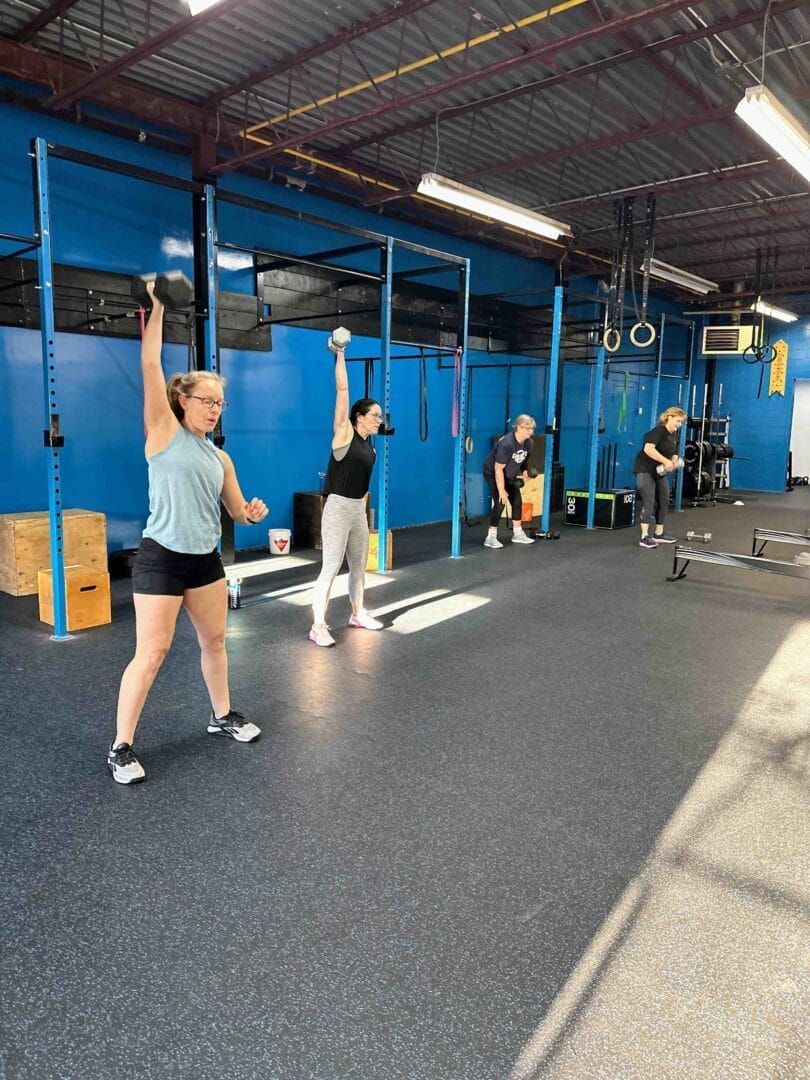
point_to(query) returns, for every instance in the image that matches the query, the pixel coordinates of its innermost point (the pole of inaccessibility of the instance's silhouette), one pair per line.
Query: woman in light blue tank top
(178, 563)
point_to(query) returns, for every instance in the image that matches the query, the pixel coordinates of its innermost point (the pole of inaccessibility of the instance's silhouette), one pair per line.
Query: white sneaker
(520, 537)
(124, 766)
(321, 636)
(364, 621)
(235, 726)
(492, 542)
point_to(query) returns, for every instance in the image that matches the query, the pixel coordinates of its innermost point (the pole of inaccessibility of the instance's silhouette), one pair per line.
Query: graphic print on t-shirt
(509, 453)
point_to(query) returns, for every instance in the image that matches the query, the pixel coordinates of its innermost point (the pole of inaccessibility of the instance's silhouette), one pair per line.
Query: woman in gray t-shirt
(178, 563)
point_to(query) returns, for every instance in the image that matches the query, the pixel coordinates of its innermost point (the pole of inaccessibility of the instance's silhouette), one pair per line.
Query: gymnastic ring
(770, 352)
(611, 334)
(634, 335)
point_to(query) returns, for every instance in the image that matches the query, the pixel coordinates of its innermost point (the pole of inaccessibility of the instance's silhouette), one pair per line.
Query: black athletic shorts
(161, 572)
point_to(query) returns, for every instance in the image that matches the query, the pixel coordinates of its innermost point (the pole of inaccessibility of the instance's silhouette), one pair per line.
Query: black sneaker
(124, 766)
(665, 538)
(235, 726)
(647, 542)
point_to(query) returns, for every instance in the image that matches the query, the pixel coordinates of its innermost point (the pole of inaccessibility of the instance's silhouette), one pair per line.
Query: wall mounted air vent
(726, 340)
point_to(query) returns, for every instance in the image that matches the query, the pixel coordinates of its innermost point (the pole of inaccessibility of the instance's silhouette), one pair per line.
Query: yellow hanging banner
(779, 369)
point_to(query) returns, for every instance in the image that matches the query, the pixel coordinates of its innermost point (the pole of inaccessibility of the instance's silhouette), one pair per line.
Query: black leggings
(513, 492)
(654, 492)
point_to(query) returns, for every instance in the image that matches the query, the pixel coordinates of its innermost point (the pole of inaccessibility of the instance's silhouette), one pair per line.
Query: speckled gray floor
(402, 877)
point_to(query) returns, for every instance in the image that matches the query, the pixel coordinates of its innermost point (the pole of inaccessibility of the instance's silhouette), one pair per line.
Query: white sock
(493, 530)
(517, 528)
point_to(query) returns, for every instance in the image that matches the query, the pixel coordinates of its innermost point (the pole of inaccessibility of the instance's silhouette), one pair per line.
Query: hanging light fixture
(777, 126)
(761, 308)
(198, 6)
(467, 198)
(666, 272)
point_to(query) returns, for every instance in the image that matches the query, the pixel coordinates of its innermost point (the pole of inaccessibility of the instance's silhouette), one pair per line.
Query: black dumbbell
(702, 538)
(542, 534)
(172, 289)
(519, 481)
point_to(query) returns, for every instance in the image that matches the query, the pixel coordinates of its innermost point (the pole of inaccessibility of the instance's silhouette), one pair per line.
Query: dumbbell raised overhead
(172, 289)
(339, 339)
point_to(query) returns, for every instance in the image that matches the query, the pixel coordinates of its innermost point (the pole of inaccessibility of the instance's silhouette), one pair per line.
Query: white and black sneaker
(124, 766)
(235, 726)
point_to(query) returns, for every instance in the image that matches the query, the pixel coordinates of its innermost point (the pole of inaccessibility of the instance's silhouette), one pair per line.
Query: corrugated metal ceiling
(646, 106)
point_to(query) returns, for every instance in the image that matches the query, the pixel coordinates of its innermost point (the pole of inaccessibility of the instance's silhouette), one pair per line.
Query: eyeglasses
(208, 402)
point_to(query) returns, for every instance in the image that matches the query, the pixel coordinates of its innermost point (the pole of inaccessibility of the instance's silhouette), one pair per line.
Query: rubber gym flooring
(552, 821)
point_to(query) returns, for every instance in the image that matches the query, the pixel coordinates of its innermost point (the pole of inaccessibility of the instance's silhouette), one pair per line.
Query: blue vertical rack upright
(683, 386)
(460, 459)
(383, 466)
(54, 440)
(551, 404)
(444, 262)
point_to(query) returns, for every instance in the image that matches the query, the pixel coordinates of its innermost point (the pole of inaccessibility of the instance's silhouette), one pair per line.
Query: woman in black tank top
(344, 525)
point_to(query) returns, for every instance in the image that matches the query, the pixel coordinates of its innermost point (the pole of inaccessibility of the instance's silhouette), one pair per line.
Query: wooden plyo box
(88, 597)
(374, 547)
(531, 493)
(25, 546)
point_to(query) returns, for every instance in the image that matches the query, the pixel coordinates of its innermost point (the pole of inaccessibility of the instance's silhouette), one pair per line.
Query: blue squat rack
(206, 247)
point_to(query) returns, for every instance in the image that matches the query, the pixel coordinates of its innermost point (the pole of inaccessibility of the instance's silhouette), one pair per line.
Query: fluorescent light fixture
(778, 127)
(761, 308)
(666, 272)
(198, 6)
(449, 191)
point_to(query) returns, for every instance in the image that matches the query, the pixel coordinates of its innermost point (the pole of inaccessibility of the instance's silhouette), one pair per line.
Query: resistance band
(424, 427)
(621, 421)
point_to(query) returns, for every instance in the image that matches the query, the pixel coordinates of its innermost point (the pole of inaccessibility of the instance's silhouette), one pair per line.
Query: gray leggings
(344, 531)
(654, 492)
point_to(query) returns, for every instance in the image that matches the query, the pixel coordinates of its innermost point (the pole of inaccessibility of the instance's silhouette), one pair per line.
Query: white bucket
(279, 541)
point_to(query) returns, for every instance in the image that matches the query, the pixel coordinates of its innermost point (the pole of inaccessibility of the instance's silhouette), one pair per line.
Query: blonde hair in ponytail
(185, 383)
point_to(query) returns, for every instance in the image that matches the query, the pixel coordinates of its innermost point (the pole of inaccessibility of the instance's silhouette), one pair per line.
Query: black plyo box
(615, 509)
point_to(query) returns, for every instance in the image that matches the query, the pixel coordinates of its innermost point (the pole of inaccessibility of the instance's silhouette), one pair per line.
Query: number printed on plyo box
(629, 498)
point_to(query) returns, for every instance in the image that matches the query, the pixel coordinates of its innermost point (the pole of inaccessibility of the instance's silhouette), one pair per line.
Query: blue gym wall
(760, 427)
(630, 374)
(279, 426)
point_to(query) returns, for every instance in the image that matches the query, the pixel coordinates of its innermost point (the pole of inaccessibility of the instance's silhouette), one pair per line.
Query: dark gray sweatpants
(654, 492)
